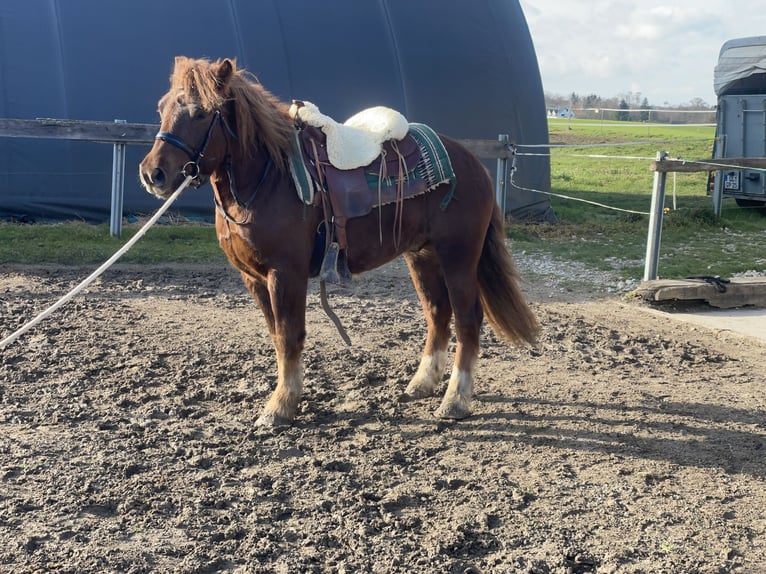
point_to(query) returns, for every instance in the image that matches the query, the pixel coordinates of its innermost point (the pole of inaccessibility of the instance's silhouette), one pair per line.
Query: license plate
(731, 181)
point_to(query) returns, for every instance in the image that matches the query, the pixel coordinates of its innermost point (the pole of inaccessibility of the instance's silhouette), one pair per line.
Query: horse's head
(194, 126)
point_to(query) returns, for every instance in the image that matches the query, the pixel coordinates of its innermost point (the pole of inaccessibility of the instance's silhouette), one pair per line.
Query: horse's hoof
(406, 397)
(415, 393)
(453, 411)
(272, 421)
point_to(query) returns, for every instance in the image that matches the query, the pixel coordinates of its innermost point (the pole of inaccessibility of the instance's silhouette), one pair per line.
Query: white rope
(611, 157)
(92, 277)
(614, 144)
(551, 194)
(715, 162)
(591, 155)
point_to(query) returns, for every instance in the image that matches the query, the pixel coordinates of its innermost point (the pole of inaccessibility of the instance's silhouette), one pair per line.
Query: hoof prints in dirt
(619, 444)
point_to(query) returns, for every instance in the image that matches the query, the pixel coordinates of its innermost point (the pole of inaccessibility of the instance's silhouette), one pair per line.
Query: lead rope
(92, 277)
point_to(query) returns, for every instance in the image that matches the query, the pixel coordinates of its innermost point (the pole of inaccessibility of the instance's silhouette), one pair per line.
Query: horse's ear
(223, 71)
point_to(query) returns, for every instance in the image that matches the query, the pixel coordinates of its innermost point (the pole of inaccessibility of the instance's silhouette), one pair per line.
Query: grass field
(609, 163)
(78, 243)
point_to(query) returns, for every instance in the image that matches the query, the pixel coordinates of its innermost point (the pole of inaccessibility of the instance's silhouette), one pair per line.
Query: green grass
(618, 172)
(694, 241)
(78, 243)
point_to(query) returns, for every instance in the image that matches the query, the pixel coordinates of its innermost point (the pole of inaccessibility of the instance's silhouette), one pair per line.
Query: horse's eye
(200, 115)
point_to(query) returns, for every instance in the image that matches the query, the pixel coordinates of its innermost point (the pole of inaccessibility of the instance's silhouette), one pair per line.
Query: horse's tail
(504, 305)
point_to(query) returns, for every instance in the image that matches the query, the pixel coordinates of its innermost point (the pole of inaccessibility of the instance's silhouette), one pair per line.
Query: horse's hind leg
(428, 279)
(460, 275)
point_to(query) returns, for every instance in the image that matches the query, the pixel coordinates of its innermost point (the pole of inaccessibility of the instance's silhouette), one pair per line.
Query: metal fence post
(655, 221)
(118, 186)
(502, 175)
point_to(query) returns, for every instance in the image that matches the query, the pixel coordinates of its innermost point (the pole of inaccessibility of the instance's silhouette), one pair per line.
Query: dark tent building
(466, 68)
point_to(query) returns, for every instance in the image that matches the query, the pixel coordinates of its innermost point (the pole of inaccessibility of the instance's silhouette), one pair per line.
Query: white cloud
(610, 47)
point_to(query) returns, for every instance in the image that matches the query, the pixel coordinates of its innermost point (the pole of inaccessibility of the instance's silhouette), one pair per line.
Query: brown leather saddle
(348, 193)
(354, 192)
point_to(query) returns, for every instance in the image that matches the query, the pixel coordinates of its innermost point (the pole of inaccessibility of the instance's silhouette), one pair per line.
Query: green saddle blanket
(433, 168)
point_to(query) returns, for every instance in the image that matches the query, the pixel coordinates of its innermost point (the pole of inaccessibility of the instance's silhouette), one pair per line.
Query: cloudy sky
(663, 49)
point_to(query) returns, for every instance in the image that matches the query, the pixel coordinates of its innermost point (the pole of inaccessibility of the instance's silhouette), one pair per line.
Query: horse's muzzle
(157, 182)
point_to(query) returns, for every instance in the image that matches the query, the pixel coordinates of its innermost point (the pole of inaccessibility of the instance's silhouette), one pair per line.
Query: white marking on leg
(456, 403)
(283, 402)
(428, 376)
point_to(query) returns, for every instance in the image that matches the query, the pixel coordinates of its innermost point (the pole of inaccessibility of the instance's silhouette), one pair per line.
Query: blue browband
(176, 141)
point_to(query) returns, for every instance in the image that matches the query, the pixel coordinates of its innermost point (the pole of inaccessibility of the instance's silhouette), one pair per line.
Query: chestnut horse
(219, 124)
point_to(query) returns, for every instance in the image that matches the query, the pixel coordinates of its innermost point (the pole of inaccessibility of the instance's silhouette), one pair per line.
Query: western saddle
(367, 162)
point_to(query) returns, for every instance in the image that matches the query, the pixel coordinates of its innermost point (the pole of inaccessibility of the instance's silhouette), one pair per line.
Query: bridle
(191, 168)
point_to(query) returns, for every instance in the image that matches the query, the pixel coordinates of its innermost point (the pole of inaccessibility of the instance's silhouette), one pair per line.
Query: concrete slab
(748, 322)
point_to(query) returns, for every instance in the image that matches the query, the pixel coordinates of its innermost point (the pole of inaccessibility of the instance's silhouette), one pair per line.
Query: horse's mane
(261, 118)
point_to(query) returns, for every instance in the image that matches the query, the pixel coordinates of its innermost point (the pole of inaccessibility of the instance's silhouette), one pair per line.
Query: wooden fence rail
(120, 133)
(103, 132)
(114, 132)
(690, 166)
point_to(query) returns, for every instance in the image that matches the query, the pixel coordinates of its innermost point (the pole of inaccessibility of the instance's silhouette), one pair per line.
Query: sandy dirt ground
(623, 443)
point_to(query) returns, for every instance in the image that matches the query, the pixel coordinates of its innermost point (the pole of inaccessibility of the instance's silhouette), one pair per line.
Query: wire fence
(714, 164)
(661, 165)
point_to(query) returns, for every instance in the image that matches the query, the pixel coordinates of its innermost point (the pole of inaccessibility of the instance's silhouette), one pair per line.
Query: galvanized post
(118, 186)
(502, 175)
(655, 221)
(719, 151)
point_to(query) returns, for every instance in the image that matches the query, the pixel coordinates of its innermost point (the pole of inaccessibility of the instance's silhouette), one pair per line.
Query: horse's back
(469, 210)
(455, 217)
(473, 179)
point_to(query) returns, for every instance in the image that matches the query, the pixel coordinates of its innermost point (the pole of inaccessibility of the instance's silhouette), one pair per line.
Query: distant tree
(698, 104)
(591, 101)
(555, 101)
(631, 100)
(574, 99)
(645, 110)
(623, 115)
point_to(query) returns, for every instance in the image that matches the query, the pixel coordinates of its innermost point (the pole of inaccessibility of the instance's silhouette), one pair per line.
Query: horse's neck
(243, 184)
(246, 171)
(234, 184)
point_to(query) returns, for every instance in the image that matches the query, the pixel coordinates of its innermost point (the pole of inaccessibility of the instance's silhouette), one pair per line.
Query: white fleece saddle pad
(358, 141)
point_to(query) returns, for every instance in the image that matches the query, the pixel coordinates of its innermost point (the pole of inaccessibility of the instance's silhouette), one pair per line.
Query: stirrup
(335, 266)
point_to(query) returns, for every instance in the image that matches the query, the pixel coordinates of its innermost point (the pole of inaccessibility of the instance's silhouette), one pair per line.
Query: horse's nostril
(157, 177)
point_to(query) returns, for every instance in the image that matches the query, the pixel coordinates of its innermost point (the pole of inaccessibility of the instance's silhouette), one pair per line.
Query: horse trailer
(740, 85)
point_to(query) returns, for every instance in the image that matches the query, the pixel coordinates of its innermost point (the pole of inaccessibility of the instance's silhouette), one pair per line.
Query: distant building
(560, 113)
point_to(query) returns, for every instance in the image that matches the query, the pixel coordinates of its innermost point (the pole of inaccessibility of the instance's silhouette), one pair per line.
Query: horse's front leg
(287, 296)
(259, 289)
